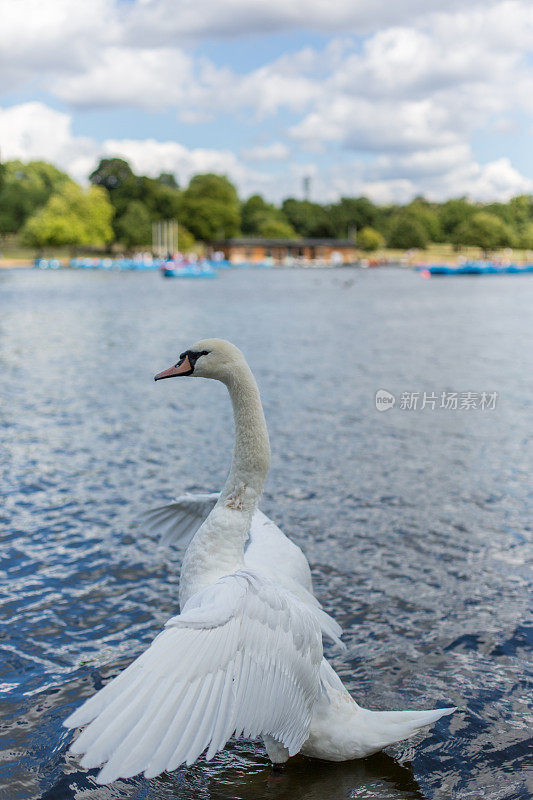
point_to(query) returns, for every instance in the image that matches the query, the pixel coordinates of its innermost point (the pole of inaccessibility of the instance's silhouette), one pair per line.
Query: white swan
(244, 656)
(340, 729)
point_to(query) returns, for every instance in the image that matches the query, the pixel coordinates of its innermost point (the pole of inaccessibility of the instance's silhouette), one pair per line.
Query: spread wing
(177, 522)
(268, 551)
(242, 658)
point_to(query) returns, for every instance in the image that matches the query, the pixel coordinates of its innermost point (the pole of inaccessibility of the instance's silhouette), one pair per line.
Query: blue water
(417, 523)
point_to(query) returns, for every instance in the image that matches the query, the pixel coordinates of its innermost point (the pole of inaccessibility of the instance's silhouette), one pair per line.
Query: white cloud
(58, 38)
(437, 176)
(150, 157)
(445, 70)
(39, 39)
(406, 90)
(162, 78)
(277, 151)
(450, 172)
(363, 125)
(422, 164)
(496, 180)
(406, 100)
(33, 131)
(410, 89)
(104, 52)
(120, 76)
(162, 20)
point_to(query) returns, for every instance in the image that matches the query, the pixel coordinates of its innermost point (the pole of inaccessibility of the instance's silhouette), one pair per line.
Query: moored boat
(187, 269)
(475, 268)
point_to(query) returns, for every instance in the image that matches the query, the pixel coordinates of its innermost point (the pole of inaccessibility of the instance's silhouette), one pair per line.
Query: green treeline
(44, 207)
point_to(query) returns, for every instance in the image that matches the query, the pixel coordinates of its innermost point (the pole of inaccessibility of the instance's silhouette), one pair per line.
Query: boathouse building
(285, 251)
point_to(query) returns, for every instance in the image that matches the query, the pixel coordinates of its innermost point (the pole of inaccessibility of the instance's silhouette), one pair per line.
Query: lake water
(416, 522)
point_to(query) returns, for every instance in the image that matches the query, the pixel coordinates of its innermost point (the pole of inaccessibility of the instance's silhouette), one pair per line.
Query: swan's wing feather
(273, 554)
(269, 547)
(243, 656)
(330, 628)
(268, 550)
(177, 522)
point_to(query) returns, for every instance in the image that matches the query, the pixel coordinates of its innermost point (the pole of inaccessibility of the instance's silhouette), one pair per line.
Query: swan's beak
(183, 367)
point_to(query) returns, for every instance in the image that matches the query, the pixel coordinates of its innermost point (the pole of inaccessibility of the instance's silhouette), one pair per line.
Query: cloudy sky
(389, 98)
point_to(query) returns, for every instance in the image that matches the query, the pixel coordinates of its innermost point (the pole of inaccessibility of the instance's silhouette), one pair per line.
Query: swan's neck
(251, 455)
(217, 548)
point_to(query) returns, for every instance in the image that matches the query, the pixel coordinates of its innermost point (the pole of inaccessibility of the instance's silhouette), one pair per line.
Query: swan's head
(209, 358)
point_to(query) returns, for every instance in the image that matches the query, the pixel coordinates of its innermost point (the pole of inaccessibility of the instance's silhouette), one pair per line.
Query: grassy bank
(445, 254)
(14, 255)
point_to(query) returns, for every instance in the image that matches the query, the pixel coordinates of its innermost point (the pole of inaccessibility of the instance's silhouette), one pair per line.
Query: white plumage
(267, 550)
(340, 728)
(244, 656)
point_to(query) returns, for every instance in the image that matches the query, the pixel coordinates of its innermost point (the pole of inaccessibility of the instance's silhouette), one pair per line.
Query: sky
(385, 98)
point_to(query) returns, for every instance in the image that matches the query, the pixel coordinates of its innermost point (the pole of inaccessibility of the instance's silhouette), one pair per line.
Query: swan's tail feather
(383, 728)
(341, 729)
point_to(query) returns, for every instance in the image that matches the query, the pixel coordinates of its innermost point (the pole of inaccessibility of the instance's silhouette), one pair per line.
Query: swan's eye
(193, 356)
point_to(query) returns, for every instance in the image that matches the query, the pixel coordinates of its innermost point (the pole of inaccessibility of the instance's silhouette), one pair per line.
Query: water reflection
(242, 774)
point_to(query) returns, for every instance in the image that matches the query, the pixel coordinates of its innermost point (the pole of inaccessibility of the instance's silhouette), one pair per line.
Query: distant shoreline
(434, 254)
(18, 263)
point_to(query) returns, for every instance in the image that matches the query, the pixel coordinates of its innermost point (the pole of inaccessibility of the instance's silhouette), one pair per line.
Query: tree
(369, 239)
(162, 201)
(498, 210)
(117, 177)
(185, 239)
(427, 216)
(24, 188)
(71, 217)
(165, 202)
(308, 219)
(525, 239)
(452, 213)
(114, 174)
(160, 197)
(211, 208)
(168, 179)
(350, 215)
(384, 217)
(407, 232)
(134, 227)
(253, 213)
(260, 218)
(521, 208)
(521, 217)
(484, 230)
(272, 228)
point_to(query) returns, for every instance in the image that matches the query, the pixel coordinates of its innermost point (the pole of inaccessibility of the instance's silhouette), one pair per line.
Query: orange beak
(183, 367)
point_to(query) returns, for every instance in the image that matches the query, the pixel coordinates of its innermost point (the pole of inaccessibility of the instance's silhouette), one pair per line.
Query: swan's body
(340, 729)
(244, 656)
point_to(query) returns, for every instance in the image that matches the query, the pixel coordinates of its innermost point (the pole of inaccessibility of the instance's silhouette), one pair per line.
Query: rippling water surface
(416, 523)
